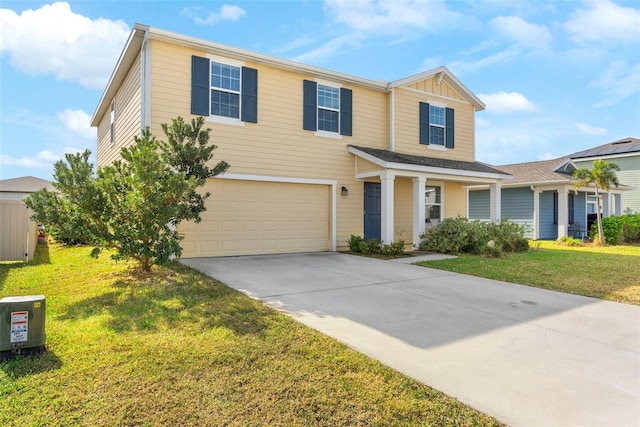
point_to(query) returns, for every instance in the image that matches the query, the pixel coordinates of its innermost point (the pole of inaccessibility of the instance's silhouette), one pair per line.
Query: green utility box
(22, 321)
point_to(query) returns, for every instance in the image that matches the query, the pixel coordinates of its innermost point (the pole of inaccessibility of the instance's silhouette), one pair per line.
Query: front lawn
(610, 272)
(181, 349)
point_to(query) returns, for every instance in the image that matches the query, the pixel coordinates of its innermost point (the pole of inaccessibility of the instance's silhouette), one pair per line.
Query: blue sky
(556, 76)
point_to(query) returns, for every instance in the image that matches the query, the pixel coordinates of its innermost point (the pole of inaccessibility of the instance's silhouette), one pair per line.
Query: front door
(372, 210)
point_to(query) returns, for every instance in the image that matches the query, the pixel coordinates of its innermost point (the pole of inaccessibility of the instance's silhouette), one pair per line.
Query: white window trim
(224, 119)
(326, 133)
(440, 184)
(438, 147)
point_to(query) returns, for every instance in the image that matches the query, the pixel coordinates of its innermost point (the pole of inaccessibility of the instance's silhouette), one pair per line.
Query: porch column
(386, 193)
(495, 201)
(606, 198)
(536, 213)
(418, 209)
(563, 212)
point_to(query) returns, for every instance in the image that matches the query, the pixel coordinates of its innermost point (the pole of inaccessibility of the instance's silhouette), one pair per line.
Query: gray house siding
(580, 209)
(479, 205)
(629, 174)
(548, 230)
(517, 206)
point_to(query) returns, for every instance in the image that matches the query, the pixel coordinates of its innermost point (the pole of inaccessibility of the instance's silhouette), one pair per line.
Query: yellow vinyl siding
(276, 145)
(430, 85)
(127, 118)
(455, 199)
(407, 126)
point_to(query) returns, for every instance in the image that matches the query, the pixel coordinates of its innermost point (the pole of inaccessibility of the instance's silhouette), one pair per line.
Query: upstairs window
(436, 125)
(327, 109)
(225, 93)
(225, 90)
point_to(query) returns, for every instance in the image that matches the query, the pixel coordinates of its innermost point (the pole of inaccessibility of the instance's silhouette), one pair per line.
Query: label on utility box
(19, 326)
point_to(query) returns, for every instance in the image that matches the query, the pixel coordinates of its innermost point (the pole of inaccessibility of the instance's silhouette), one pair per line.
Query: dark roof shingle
(394, 157)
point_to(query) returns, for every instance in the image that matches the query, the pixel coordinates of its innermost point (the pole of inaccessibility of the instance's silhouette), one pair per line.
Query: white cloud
(54, 40)
(520, 32)
(294, 44)
(41, 160)
(77, 121)
(461, 67)
(393, 16)
(225, 13)
(329, 48)
(590, 130)
(605, 22)
(619, 81)
(507, 103)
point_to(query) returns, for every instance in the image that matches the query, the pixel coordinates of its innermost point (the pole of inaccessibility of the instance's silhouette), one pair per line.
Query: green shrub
(623, 229)
(393, 249)
(373, 246)
(459, 235)
(569, 241)
(357, 244)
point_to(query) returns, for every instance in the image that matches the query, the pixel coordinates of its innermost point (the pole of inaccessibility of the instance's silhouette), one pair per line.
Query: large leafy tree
(134, 205)
(602, 176)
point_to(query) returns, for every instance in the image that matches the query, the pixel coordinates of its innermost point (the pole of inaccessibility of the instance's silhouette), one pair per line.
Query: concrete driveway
(528, 357)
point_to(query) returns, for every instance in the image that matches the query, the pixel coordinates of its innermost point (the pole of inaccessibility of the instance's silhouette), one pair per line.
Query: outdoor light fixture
(345, 191)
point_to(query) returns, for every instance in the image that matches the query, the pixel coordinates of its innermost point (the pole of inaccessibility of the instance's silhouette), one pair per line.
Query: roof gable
(441, 74)
(24, 184)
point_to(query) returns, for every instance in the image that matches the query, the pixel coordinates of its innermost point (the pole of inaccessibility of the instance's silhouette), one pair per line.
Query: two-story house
(315, 155)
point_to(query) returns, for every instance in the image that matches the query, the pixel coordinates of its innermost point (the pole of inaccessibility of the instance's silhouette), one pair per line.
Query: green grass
(609, 272)
(179, 348)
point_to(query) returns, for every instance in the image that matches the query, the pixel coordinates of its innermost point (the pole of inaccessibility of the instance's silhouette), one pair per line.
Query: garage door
(255, 217)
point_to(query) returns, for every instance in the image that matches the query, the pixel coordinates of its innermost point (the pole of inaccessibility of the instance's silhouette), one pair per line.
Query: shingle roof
(539, 172)
(25, 184)
(621, 146)
(394, 157)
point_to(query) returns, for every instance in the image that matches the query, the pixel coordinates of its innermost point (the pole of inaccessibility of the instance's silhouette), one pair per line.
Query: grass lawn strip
(179, 348)
(610, 272)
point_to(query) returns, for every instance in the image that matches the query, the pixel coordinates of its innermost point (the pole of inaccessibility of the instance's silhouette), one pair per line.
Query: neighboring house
(315, 155)
(626, 154)
(18, 234)
(542, 198)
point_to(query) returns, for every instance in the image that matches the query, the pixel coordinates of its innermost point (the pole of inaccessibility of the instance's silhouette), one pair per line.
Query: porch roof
(392, 159)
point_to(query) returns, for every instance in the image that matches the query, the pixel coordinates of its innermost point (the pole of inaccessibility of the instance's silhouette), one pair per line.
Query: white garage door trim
(293, 180)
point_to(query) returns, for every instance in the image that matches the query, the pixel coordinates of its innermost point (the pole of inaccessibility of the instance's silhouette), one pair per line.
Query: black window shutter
(448, 128)
(310, 101)
(200, 86)
(346, 112)
(424, 123)
(249, 95)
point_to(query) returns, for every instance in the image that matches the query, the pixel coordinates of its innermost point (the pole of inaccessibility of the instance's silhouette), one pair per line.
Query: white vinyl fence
(18, 234)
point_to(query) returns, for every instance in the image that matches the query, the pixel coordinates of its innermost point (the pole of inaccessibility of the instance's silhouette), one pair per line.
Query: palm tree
(602, 176)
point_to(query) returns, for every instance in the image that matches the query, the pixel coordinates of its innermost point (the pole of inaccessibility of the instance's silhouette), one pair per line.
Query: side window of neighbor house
(112, 123)
(327, 109)
(224, 92)
(436, 125)
(433, 204)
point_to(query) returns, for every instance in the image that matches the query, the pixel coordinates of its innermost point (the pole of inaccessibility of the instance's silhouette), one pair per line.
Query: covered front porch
(416, 192)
